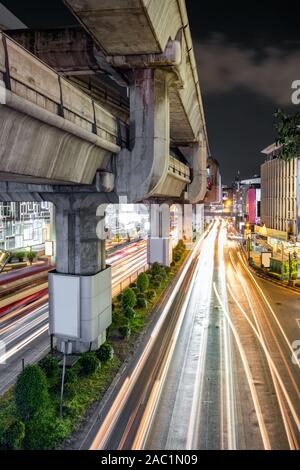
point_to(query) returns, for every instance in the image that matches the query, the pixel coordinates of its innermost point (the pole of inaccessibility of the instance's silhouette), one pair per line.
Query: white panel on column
(64, 305)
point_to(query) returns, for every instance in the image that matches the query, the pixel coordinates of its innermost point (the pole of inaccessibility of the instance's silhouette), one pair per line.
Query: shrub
(135, 290)
(89, 363)
(44, 431)
(141, 302)
(141, 295)
(180, 244)
(12, 433)
(132, 284)
(125, 331)
(150, 294)
(155, 268)
(105, 352)
(163, 273)
(158, 278)
(143, 282)
(129, 313)
(167, 270)
(50, 366)
(119, 297)
(177, 257)
(172, 264)
(31, 255)
(128, 298)
(20, 255)
(156, 284)
(31, 392)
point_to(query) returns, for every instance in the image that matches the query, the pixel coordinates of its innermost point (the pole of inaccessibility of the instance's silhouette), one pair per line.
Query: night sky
(247, 56)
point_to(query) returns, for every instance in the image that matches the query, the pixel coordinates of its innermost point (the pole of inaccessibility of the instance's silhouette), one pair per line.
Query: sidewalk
(264, 274)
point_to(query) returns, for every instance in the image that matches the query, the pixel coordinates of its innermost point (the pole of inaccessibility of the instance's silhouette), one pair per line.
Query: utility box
(265, 258)
(80, 308)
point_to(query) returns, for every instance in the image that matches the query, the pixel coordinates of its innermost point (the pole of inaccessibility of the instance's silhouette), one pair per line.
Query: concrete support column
(188, 224)
(80, 288)
(160, 246)
(199, 218)
(141, 170)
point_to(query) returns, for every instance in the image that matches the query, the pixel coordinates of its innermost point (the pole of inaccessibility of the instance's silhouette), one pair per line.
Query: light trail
(261, 423)
(230, 398)
(271, 310)
(270, 360)
(120, 401)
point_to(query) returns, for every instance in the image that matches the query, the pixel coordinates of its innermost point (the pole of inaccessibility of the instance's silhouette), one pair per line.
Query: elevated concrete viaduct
(111, 107)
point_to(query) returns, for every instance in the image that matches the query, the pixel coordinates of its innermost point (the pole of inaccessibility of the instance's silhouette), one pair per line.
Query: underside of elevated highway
(104, 105)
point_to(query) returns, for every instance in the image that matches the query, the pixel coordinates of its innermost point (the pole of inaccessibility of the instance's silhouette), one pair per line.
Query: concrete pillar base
(80, 308)
(160, 250)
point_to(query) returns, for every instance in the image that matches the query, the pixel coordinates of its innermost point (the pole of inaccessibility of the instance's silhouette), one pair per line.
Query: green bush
(30, 255)
(180, 244)
(135, 290)
(128, 298)
(12, 433)
(119, 297)
(125, 331)
(132, 284)
(141, 295)
(143, 282)
(50, 366)
(129, 313)
(150, 294)
(31, 392)
(155, 268)
(142, 303)
(89, 363)
(105, 352)
(177, 257)
(20, 255)
(167, 270)
(44, 431)
(172, 264)
(156, 284)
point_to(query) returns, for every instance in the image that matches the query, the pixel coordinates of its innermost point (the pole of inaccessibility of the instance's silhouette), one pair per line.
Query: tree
(128, 298)
(143, 282)
(31, 392)
(288, 134)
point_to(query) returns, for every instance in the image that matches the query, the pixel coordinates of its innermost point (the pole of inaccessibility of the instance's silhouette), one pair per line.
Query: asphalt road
(219, 373)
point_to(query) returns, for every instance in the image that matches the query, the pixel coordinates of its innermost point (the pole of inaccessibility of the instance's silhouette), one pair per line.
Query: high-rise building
(280, 196)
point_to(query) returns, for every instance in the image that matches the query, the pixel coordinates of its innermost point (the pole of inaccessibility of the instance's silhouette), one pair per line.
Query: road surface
(24, 328)
(218, 372)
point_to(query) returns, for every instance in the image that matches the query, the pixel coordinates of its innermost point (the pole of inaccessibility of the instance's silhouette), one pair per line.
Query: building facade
(280, 194)
(24, 224)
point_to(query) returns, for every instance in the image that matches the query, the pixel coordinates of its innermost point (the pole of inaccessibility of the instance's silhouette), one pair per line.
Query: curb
(269, 278)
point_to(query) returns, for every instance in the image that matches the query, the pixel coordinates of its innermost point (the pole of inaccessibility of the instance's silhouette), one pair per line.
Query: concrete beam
(70, 51)
(142, 169)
